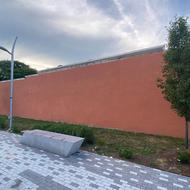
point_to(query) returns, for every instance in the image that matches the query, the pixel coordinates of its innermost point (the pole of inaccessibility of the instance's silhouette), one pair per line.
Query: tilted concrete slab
(61, 144)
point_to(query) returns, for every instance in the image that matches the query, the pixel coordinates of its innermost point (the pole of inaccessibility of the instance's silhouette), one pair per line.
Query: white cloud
(41, 63)
(66, 23)
(82, 19)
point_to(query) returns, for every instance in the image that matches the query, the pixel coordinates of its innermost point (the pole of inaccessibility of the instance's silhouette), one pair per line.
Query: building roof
(106, 59)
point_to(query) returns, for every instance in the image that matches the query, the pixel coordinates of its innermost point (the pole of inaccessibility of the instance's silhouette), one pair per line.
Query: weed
(153, 164)
(101, 142)
(126, 153)
(184, 157)
(2, 123)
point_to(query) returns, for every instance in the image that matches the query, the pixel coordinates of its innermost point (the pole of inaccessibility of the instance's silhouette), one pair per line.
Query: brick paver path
(23, 168)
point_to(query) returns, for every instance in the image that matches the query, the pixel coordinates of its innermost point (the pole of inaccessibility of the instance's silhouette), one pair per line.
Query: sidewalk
(24, 168)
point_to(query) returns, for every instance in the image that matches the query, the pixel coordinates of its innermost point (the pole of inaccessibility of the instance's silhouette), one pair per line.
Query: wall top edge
(106, 59)
(13, 80)
(99, 61)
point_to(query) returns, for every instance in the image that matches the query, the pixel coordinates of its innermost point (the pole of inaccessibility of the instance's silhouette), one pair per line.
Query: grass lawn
(151, 150)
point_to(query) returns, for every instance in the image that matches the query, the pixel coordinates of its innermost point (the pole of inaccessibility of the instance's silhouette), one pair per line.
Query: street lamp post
(12, 73)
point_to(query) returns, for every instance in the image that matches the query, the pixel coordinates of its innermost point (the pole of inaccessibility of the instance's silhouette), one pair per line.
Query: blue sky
(61, 32)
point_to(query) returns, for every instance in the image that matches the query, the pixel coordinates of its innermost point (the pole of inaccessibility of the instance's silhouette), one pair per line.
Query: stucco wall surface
(120, 94)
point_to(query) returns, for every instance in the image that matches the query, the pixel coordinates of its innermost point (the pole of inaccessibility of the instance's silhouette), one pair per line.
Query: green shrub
(16, 129)
(2, 123)
(69, 129)
(184, 157)
(88, 135)
(126, 153)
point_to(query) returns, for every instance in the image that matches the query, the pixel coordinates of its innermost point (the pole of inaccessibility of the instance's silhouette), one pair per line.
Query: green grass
(138, 143)
(152, 164)
(20, 124)
(107, 141)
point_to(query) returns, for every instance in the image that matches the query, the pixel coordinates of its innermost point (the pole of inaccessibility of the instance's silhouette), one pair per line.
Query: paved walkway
(25, 168)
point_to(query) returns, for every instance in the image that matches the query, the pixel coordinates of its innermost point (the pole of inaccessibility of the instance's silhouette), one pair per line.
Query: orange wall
(120, 94)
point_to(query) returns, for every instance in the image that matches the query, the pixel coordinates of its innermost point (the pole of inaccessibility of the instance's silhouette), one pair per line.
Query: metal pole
(11, 95)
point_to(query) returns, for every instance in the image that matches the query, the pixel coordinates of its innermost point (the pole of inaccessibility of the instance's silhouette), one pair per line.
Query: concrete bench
(57, 143)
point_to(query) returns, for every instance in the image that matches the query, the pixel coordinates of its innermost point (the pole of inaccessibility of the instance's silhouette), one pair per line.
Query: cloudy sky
(60, 32)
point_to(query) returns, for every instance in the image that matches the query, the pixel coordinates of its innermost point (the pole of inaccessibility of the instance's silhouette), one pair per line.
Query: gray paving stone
(55, 173)
(79, 176)
(6, 179)
(61, 169)
(115, 187)
(74, 184)
(94, 185)
(40, 170)
(41, 181)
(72, 171)
(8, 168)
(91, 178)
(51, 168)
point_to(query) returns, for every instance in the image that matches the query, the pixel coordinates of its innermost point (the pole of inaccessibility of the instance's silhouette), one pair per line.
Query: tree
(20, 70)
(175, 81)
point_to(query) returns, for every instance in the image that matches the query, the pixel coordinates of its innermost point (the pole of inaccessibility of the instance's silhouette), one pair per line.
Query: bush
(69, 129)
(184, 157)
(126, 153)
(2, 123)
(17, 129)
(88, 134)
